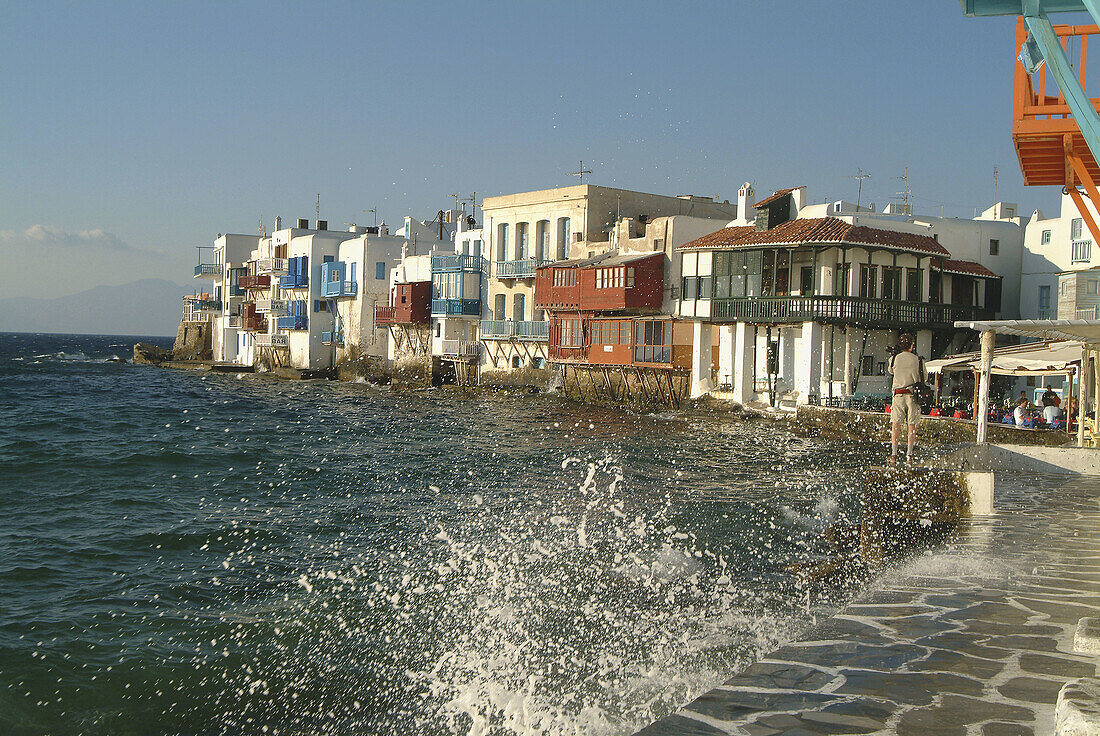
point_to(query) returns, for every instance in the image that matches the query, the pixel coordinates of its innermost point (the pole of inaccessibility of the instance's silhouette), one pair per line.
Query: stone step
(1078, 709)
(1087, 638)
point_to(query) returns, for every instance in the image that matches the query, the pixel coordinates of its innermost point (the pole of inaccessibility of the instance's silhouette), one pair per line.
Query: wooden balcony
(1044, 131)
(384, 316)
(843, 310)
(254, 281)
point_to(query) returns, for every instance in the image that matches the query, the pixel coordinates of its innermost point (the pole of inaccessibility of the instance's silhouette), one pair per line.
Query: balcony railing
(332, 338)
(458, 262)
(293, 322)
(254, 281)
(206, 270)
(273, 266)
(202, 304)
(842, 310)
(1048, 314)
(1087, 313)
(460, 348)
(384, 316)
(337, 289)
(294, 281)
(496, 329)
(272, 341)
(507, 329)
(254, 324)
(469, 307)
(521, 269)
(274, 307)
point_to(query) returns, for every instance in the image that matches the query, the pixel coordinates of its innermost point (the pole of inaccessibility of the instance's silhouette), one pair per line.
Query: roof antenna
(580, 172)
(859, 190)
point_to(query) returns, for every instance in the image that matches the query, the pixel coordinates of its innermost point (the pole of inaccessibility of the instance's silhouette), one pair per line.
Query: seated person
(1050, 398)
(1020, 413)
(1051, 413)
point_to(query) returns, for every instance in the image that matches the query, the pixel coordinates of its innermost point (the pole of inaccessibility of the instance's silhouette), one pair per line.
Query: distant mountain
(145, 307)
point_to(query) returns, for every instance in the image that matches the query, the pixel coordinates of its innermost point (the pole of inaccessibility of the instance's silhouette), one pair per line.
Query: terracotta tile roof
(817, 230)
(777, 195)
(969, 268)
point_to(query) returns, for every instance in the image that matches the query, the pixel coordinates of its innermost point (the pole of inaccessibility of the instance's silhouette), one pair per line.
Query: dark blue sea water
(184, 553)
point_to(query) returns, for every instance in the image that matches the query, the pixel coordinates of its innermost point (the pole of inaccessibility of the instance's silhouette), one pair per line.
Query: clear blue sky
(132, 132)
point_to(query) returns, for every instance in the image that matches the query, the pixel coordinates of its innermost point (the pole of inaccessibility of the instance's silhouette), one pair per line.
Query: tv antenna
(472, 199)
(260, 227)
(373, 210)
(995, 185)
(580, 172)
(859, 189)
(318, 205)
(906, 193)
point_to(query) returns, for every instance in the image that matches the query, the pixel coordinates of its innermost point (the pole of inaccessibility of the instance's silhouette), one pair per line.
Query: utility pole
(318, 205)
(994, 185)
(859, 189)
(579, 173)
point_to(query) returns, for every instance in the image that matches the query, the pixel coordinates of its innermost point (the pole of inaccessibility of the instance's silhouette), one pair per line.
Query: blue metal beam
(975, 8)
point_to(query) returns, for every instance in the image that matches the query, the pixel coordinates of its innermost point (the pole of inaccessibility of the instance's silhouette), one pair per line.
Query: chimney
(278, 223)
(322, 224)
(439, 217)
(746, 197)
(303, 224)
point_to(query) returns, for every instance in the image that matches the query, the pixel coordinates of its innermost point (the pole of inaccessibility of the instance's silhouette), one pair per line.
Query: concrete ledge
(1086, 639)
(1027, 458)
(1078, 709)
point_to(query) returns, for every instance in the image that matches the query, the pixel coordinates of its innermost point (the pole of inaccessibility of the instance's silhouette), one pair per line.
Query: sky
(132, 133)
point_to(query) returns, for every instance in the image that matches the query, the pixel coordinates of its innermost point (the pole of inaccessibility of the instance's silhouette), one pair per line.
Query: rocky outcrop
(151, 354)
(193, 342)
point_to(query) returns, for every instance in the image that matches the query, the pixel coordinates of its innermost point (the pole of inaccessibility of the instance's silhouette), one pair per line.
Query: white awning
(1033, 359)
(1080, 330)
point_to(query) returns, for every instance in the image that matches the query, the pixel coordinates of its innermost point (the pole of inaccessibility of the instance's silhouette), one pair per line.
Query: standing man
(907, 370)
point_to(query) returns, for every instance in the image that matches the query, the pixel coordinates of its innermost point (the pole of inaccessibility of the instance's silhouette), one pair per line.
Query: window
(502, 242)
(891, 283)
(867, 368)
(1044, 238)
(912, 284)
(993, 295)
(994, 246)
(380, 270)
(867, 281)
(935, 281)
(563, 238)
(498, 306)
(571, 334)
(652, 342)
(1081, 251)
(843, 279)
(807, 286)
(1062, 288)
(1044, 297)
(438, 329)
(521, 241)
(1090, 286)
(1075, 228)
(690, 287)
(542, 239)
(516, 361)
(328, 259)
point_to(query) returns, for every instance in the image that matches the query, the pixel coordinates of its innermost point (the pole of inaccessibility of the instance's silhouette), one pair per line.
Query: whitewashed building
(220, 306)
(1056, 247)
(801, 306)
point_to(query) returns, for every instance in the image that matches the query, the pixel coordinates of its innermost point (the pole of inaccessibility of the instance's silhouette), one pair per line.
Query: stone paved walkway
(974, 639)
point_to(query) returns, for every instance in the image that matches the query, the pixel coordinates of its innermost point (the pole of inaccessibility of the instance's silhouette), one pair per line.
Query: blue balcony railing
(507, 329)
(522, 269)
(332, 338)
(458, 262)
(337, 289)
(294, 281)
(529, 330)
(293, 322)
(496, 329)
(207, 269)
(469, 307)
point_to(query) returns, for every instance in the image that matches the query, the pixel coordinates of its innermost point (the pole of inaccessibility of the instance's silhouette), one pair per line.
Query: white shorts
(904, 410)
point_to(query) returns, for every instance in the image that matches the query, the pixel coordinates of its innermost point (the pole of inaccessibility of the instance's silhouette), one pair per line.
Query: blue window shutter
(380, 270)
(328, 259)
(352, 271)
(305, 267)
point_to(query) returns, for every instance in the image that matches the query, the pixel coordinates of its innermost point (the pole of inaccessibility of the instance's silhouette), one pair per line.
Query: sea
(193, 553)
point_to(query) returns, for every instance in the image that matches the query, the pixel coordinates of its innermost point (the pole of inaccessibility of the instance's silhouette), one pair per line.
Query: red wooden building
(410, 304)
(609, 281)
